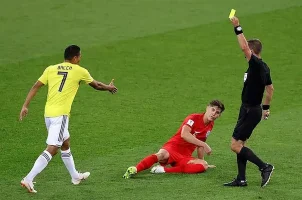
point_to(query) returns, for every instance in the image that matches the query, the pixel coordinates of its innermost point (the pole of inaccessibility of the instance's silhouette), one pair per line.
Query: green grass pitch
(169, 58)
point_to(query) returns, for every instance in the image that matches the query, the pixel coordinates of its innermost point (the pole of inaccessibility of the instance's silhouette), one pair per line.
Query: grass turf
(169, 58)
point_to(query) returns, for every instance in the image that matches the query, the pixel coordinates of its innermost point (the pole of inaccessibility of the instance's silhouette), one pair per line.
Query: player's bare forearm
(268, 98)
(188, 137)
(241, 39)
(33, 91)
(29, 97)
(200, 153)
(244, 46)
(102, 86)
(269, 91)
(242, 42)
(98, 85)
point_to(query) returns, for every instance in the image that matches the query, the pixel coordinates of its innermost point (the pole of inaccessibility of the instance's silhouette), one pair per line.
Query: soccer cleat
(236, 183)
(131, 171)
(29, 185)
(157, 169)
(266, 174)
(82, 176)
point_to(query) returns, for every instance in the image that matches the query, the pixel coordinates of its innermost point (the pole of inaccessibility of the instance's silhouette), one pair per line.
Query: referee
(257, 79)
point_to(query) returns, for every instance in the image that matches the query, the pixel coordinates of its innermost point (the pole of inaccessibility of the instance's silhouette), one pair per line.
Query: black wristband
(238, 30)
(265, 107)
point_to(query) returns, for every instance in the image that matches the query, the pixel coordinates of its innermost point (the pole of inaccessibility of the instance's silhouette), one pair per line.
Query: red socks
(186, 168)
(173, 169)
(146, 163)
(193, 168)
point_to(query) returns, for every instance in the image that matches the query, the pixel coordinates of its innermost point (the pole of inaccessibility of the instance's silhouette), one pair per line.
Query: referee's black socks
(250, 156)
(241, 163)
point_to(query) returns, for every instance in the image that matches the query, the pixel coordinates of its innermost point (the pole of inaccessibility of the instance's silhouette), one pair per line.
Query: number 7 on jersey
(63, 80)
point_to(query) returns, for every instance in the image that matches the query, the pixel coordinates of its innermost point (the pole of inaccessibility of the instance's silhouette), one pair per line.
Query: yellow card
(232, 13)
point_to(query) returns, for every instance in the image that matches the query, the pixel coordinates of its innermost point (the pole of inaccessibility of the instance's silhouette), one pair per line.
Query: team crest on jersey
(244, 77)
(190, 122)
(208, 133)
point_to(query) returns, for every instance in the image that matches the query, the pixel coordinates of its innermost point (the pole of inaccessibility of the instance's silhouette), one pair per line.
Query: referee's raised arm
(256, 80)
(241, 39)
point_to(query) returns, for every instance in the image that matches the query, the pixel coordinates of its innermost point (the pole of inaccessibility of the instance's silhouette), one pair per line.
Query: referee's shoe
(266, 174)
(236, 183)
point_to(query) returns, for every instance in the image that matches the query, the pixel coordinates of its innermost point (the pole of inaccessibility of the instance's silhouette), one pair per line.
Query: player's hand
(235, 21)
(23, 113)
(112, 88)
(265, 114)
(207, 149)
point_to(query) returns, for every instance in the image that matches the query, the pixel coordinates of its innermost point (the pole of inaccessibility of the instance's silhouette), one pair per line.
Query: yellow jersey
(63, 82)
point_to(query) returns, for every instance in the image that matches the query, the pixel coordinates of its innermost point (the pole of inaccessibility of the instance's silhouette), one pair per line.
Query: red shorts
(176, 158)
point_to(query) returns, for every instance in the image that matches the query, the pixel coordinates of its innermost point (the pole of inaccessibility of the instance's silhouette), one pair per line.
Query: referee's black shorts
(249, 117)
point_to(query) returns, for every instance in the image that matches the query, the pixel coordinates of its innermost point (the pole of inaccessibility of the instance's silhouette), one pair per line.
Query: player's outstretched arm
(187, 136)
(241, 39)
(103, 87)
(33, 91)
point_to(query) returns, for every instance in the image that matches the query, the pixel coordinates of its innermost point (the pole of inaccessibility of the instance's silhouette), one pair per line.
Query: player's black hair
(255, 45)
(71, 51)
(217, 103)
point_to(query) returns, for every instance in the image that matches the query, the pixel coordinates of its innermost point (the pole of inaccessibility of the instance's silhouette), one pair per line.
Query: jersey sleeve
(190, 121)
(44, 78)
(268, 79)
(86, 77)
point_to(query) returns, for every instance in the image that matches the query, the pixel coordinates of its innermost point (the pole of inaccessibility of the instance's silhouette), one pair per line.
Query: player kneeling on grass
(177, 152)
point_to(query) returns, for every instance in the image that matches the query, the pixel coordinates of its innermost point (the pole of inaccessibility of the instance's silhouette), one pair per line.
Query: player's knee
(161, 156)
(66, 145)
(236, 147)
(53, 150)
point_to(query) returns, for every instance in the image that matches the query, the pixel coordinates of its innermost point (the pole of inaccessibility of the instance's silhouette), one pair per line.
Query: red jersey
(200, 130)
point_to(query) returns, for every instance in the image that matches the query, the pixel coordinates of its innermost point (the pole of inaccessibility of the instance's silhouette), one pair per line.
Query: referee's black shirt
(256, 78)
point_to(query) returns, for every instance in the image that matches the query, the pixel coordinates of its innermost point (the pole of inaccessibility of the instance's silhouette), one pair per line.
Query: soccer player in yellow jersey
(63, 81)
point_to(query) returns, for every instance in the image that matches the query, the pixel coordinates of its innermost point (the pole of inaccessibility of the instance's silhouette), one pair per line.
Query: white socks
(45, 158)
(39, 165)
(69, 163)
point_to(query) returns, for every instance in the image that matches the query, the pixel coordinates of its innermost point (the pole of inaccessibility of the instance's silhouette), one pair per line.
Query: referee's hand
(265, 114)
(235, 21)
